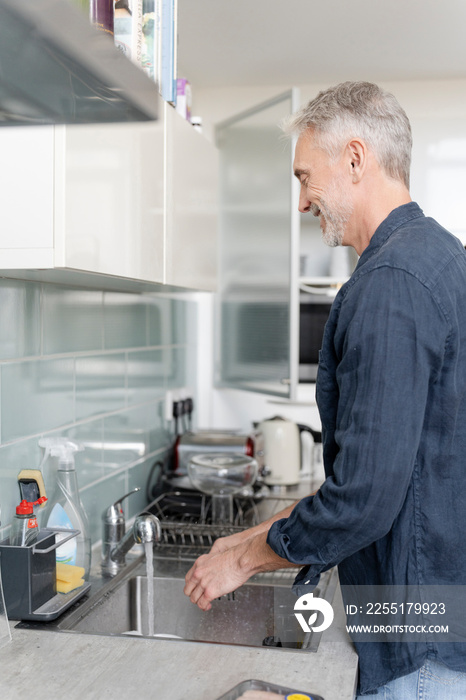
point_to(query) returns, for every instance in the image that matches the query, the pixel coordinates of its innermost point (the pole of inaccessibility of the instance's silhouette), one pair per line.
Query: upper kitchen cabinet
(192, 206)
(83, 199)
(110, 199)
(121, 206)
(90, 188)
(27, 184)
(257, 344)
(58, 69)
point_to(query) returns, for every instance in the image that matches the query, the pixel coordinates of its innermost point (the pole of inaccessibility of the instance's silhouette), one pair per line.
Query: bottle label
(32, 522)
(66, 553)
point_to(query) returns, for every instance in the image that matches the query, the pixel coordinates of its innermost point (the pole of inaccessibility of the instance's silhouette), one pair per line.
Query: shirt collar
(394, 220)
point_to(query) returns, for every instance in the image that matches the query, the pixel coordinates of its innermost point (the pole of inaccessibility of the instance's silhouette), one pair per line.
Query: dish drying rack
(187, 534)
(187, 537)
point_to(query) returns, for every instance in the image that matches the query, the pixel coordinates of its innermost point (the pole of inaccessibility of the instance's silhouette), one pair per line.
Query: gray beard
(336, 210)
(336, 220)
(334, 229)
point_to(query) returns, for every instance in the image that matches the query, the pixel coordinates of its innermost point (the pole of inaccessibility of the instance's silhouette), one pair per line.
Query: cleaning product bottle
(65, 509)
(24, 527)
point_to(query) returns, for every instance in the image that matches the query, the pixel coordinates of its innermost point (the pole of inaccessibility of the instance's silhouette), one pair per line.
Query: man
(391, 391)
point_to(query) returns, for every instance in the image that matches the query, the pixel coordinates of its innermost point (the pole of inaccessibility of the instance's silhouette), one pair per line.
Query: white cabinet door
(130, 201)
(257, 301)
(26, 184)
(192, 204)
(110, 199)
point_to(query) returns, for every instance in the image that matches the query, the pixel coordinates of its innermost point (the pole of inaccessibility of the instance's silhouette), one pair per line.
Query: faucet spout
(147, 528)
(119, 551)
(116, 543)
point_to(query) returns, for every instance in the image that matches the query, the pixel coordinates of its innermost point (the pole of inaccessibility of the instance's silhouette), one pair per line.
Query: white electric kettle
(282, 450)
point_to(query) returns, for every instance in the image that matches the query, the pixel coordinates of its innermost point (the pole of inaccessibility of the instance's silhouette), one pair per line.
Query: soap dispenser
(65, 509)
(24, 527)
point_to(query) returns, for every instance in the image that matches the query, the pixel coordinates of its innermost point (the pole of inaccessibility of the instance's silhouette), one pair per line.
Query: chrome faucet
(116, 543)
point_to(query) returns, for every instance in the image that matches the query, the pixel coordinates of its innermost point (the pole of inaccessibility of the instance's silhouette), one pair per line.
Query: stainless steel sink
(257, 614)
(229, 621)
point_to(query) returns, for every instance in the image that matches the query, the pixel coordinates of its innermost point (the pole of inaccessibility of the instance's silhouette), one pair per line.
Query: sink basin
(229, 620)
(254, 615)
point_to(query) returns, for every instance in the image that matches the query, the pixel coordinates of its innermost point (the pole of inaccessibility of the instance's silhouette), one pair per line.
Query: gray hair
(364, 110)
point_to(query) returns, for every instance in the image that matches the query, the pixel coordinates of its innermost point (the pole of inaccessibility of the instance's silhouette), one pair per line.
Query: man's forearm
(285, 513)
(224, 543)
(266, 524)
(256, 556)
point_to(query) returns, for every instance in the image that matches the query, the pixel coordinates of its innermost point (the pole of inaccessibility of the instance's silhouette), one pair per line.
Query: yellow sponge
(69, 577)
(69, 572)
(67, 586)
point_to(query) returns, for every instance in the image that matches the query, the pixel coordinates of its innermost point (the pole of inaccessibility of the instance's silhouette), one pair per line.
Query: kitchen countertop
(49, 663)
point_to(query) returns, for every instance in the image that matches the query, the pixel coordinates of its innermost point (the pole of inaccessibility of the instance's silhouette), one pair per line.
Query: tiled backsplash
(93, 366)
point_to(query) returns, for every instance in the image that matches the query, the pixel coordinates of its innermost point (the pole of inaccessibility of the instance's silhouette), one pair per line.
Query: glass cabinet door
(257, 301)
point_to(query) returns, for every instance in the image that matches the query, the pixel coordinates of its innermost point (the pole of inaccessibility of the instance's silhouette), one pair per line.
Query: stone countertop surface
(48, 664)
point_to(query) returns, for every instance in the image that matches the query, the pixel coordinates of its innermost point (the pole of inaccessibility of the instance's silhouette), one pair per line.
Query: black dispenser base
(29, 579)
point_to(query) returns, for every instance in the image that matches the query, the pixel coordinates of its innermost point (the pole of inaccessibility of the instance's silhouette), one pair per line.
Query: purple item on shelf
(102, 13)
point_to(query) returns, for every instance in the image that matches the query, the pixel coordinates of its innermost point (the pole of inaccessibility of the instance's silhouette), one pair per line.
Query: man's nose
(304, 203)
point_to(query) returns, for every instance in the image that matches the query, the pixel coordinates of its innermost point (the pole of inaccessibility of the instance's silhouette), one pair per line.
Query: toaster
(191, 444)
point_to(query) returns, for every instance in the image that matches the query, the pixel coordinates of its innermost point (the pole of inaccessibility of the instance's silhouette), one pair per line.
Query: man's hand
(232, 561)
(221, 572)
(214, 575)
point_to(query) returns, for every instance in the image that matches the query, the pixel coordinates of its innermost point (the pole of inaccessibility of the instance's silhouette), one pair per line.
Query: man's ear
(357, 159)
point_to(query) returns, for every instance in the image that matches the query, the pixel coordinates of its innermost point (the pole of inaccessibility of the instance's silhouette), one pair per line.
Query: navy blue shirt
(391, 392)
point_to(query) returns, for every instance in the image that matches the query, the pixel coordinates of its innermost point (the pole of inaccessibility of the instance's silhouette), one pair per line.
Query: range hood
(55, 68)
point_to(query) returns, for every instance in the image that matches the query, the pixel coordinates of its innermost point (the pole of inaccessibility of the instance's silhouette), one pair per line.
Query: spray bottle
(65, 509)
